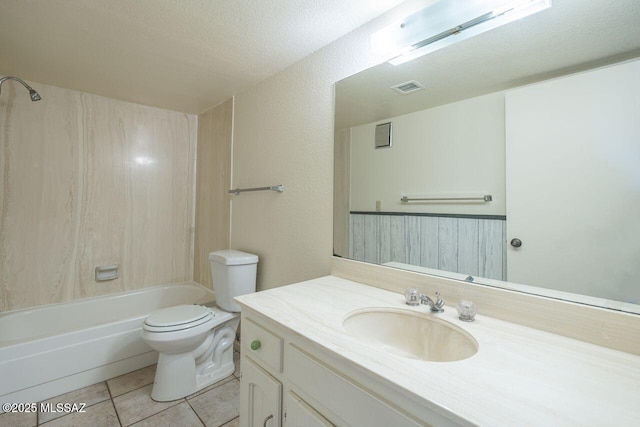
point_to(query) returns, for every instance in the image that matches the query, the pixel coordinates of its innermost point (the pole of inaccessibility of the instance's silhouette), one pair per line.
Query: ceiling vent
(407, 87)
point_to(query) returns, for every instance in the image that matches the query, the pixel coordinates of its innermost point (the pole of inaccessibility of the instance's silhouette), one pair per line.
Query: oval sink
(411, 334)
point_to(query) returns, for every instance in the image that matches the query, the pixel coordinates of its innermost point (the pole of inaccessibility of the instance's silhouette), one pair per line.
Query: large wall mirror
(514, 158)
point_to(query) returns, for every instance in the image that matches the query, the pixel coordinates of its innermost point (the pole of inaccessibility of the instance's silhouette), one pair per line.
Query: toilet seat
(177, 318)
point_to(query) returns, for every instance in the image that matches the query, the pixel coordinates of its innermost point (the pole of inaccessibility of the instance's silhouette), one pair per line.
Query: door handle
(267, 419)
(516, 243)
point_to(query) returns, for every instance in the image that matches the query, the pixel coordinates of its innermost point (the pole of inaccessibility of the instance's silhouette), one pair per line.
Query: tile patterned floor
(126, 401)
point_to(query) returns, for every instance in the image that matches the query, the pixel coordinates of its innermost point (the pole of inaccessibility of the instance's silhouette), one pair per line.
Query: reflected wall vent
(407, 87)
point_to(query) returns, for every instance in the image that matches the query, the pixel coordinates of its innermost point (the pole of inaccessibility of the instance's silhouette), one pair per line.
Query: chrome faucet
(414, 298)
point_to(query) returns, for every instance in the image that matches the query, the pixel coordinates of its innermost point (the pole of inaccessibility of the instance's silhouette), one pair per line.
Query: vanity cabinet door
(260, 397)
(298, 413)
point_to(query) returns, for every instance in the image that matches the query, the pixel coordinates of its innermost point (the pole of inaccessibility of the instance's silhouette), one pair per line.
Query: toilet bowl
(194, 342)
(195, 345)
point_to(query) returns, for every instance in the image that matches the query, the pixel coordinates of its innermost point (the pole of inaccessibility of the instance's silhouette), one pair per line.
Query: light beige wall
(213, 180)
(283, 134)
(88, 181)
(455, 150)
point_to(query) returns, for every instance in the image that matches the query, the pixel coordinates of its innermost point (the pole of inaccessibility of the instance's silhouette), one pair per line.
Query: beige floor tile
(233, 423)
(137, 405)
(89, 395)
(99, 415)
(131, 381)
(19, 419)
(218, 406)
(212, 386)
(180, 415)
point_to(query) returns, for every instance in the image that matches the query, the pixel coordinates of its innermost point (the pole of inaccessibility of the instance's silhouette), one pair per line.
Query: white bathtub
(49, 350)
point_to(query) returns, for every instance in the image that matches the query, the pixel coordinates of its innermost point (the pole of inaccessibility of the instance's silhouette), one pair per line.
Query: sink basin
(411, 334)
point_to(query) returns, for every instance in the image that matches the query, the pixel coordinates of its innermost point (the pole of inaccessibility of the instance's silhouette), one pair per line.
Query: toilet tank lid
(233, 257)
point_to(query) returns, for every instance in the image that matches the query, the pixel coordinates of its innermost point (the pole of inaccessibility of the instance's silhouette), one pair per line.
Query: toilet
(196, 342)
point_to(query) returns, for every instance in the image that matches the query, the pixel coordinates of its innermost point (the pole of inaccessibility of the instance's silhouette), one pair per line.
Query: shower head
(35, 96)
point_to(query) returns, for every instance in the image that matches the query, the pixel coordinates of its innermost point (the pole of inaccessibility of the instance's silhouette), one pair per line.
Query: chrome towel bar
(278, 188)
(485, 198)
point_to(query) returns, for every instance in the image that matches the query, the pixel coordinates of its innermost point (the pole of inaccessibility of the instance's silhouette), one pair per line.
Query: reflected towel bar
(278, 188)
(485, 198)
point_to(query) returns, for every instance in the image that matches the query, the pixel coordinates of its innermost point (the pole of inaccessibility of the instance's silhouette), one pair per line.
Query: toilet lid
(178, 315)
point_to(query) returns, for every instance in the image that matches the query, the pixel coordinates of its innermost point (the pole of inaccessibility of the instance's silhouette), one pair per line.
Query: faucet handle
(412, 297)
(439, 301)
(467, 311)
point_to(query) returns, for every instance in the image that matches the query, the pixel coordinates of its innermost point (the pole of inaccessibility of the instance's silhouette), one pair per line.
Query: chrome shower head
(35, 96)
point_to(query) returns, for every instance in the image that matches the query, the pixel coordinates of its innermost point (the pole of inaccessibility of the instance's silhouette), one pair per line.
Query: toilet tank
(233, 274)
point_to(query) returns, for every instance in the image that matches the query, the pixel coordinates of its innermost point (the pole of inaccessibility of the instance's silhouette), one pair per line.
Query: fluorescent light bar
(430, 28)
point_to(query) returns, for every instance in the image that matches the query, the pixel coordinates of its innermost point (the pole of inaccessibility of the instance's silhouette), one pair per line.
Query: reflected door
(573, 183)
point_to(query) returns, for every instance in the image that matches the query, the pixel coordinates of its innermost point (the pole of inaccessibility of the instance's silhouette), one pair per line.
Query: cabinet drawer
(261, 345)
(354, 406)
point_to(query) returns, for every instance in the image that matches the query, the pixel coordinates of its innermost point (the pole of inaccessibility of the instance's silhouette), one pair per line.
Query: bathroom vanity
(303, 365)
(290, 379)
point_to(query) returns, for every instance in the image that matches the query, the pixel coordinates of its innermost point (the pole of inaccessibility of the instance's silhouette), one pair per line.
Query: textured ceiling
(184, 55)
(570, 36)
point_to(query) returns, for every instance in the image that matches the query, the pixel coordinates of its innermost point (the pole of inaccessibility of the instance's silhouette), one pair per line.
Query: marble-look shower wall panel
(138, 195)
(39, 196)
(213, 181)
(90, 181)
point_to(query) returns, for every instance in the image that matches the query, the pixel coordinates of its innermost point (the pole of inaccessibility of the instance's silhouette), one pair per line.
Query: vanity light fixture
(430, 29)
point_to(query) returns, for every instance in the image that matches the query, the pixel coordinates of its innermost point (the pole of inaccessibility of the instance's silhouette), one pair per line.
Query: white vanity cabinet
(260, 396)
(286, 382)
(325, 375)
(300, 414)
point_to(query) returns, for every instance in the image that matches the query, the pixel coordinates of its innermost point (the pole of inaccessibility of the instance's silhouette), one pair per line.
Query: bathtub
(49, 350)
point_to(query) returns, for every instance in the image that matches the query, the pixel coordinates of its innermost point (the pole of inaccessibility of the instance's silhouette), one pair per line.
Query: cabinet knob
(516, 243)
(255, 344)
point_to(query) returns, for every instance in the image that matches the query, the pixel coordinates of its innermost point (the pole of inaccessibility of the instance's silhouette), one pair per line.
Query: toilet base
(175, 377)
(179, 375)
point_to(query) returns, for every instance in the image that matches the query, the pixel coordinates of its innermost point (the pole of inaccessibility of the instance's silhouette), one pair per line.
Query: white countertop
(519, 377)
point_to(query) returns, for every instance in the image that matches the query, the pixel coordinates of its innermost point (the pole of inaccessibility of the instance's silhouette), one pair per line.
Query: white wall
(452, 150)
(283, 134)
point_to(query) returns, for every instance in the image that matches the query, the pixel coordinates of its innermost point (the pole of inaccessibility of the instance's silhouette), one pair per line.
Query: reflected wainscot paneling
(467, 245)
